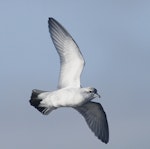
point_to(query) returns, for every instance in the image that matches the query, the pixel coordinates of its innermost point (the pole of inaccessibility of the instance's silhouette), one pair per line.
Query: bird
(70, 92)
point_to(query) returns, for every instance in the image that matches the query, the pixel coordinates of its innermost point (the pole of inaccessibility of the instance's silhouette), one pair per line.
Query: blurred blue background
(114, 37)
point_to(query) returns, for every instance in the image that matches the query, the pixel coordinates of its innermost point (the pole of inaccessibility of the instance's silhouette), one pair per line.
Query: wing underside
(71, 59)
(96, 119)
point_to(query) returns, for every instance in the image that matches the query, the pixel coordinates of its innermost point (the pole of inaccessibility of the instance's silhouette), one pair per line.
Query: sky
(114, 39)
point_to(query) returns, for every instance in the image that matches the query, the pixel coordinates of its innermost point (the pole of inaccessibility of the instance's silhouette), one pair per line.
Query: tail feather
(35, 101)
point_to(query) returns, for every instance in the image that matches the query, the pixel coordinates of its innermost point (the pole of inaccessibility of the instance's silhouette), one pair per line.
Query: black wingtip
(106, 140)
(50, 19)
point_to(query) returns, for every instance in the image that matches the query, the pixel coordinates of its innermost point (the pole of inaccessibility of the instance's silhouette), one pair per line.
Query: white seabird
(70, 93)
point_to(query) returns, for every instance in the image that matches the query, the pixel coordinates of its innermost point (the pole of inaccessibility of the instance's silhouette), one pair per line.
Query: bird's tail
(35, 101)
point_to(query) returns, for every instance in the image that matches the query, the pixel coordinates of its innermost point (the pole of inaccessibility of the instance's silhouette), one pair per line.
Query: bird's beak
(97, 95)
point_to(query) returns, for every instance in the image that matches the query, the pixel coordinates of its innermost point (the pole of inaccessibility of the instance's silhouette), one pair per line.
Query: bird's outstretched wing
(71, 59)
(96, 119)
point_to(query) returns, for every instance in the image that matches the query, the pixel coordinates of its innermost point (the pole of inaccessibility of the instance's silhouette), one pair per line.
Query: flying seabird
(70, 93)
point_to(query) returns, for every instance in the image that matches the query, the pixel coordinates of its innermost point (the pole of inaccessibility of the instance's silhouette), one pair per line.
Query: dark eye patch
(95, 90)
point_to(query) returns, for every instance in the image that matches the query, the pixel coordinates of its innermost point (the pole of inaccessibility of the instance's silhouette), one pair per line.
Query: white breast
(66, 97)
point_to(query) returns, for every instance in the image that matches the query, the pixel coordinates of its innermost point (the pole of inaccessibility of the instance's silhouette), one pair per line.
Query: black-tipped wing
(71, 59)
(96, 119)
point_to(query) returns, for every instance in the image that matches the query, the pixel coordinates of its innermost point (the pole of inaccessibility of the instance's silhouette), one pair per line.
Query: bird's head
(90, 93)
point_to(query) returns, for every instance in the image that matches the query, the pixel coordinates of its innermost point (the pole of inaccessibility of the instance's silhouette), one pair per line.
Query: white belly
(65, 98)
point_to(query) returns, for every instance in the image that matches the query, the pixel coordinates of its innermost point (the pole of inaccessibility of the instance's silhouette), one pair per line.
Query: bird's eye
(90, 91)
